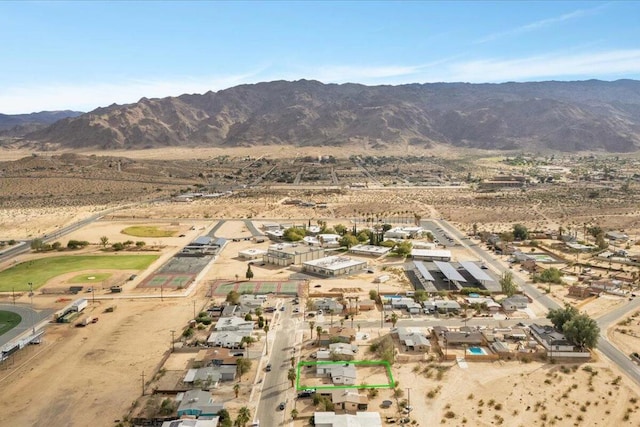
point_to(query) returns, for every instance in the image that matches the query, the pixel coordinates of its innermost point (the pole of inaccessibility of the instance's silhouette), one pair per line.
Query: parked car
(281, 406)
(296, 310)
(268, 368)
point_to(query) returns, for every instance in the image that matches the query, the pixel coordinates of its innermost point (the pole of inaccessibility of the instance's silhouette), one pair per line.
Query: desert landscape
(97, 372)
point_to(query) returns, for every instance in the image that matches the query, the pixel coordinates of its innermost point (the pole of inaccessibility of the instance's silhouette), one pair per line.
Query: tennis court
(175, 281)
(289, 287)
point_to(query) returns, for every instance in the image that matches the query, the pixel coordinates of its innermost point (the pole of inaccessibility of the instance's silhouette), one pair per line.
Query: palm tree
(244, 415)
(331, 313)
(291, 376)
(266, 335)
(319, 331)
(311, 325)
(236, 389)
(293, 361)
(394, 319)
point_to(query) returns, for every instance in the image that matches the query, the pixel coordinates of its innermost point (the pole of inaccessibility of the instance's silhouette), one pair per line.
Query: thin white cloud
(88, 96)
(536, 25)
(585, 65)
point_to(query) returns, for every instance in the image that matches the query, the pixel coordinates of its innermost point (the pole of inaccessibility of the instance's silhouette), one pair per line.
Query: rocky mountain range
(566, 116)
(21, 124)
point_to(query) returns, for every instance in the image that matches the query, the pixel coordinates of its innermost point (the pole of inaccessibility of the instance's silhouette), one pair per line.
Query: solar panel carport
(449, 272)
(424, 278)
(481, 276)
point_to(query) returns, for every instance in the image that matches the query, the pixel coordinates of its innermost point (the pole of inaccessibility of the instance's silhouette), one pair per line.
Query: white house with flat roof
(234, 324)
(360, 419)
(403, 233)
(431, 254)
(251, 253)
(370, 250)
(332, 266)
(227, 339)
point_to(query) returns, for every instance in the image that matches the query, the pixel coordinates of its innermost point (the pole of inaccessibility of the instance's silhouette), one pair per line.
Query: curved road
(29, 319)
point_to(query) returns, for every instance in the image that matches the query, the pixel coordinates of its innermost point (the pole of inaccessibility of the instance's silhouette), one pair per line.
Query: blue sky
(85, 54)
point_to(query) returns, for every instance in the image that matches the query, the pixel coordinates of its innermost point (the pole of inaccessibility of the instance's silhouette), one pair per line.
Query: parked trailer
(84, 322)
(79, 305)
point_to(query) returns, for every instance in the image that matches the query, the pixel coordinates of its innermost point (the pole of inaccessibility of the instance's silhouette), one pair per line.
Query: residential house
(447, 306)
(336, 335)
(197, 403)
(580, 291)
(515, 302)
(340, 373)
(551, 339)
(407, 304)
(349, 400)
(342, 350)
(366, 305)
(413, 339)
(227, 339)
(360, 419)
(234, 324)
(212, 422)
(617, 236)
(210, 376)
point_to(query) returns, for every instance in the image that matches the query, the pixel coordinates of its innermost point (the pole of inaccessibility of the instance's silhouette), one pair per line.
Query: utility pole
(194, 309)
(33, 323)
(13, 294)
(173, 340)
(381, 308)
(142, 382)
(409, 399)
(161, 292)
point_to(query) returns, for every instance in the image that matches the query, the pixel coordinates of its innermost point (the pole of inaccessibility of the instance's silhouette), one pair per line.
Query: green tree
(224, 418)
(294, 234)
(348, 240)
(582, 331)
(242, 367)
(340, 229)
(291, 376)
(37, 245)
(294, 413)
(549, 275)
(595, 231)
(244, 415)
(475, 229)
(56, 246)
(140, 244)
(520, 232)
(104, 241)
(364, 236)
(373, 294)
(560, 316)
(248, 317)
(420, 295)
(319, 333)
(507, 284)
(403, 249)
(247, 341)
(236, 389)
(394, 319)
(249, 273)
(601, 242)
(233, 297)
(311, 325)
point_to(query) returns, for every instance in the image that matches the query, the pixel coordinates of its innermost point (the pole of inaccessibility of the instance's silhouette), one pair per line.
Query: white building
(227, 339)
(360, 419)
(431, 254)
(403, 233)
(234, 324)
(334, 266)
(251, 253)
(370, 250)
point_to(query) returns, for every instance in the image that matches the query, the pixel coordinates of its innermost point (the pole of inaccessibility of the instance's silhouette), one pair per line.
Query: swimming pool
(477, 351)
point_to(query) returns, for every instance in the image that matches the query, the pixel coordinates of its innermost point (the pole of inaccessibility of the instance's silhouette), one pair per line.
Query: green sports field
(147, 231)
(8, 320)
(39, 271)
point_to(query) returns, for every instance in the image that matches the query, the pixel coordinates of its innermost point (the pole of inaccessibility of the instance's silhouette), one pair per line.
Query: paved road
(276, 387)
(604, 346)
(29, 319)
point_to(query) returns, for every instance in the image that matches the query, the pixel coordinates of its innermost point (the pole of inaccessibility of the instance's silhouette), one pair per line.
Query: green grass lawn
(147, 231)
(8, 320)
(38, 271)
(90, 278)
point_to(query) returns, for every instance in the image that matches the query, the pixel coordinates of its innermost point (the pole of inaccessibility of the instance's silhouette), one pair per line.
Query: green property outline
(384, 363)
